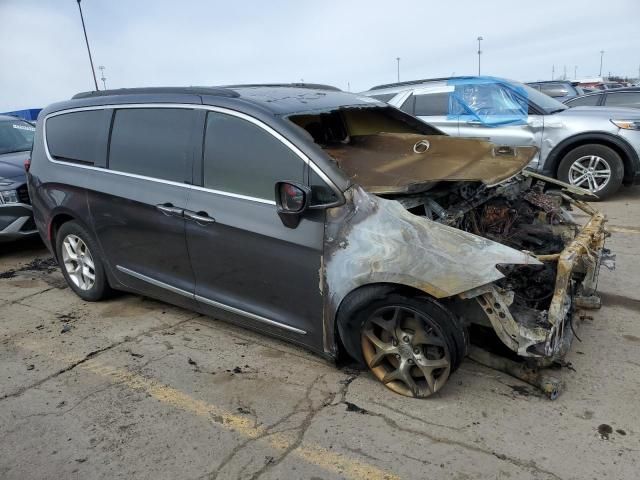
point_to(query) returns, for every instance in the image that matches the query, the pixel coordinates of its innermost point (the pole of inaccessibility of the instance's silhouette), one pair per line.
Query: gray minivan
(331, 220)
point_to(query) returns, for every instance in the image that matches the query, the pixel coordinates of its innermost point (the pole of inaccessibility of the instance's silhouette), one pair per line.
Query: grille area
(23, 194)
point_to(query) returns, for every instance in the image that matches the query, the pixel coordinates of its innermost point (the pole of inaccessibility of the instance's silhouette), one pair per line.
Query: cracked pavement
(135, 388)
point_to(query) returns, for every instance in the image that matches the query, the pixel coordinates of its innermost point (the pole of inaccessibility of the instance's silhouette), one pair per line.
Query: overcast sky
(169, 42)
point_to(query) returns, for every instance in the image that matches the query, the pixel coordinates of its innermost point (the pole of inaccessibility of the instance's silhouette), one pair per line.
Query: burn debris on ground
(47, 265)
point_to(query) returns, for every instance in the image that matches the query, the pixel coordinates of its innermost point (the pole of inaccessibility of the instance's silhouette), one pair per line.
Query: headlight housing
(8, 196)
(627, 124)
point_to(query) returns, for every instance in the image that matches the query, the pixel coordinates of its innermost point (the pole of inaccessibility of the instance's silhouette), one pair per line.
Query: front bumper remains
(546, 337)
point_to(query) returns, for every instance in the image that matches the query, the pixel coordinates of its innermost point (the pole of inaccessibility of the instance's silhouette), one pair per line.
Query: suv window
(432, 104)
(384, 97)
(154, 142)
(588, 101)
(77, 137)
(242, 158)
(628, 99)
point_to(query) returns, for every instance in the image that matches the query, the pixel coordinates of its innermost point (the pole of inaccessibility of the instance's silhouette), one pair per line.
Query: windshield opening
(16, 136)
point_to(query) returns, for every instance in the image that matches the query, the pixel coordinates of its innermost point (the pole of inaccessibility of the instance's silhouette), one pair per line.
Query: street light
(398, 60)
(479, 53)
(86, 39)
(102, 77)
(601, 55)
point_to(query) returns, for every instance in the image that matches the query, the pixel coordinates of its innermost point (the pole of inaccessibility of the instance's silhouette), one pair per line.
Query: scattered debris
(47, 265)
(621, 432)
(352, 407)
(192, 362)
(137, 355)
(31, 367)
(243, 410)
(82, 460)
(604, 431)
(66, 328)
(269, 460)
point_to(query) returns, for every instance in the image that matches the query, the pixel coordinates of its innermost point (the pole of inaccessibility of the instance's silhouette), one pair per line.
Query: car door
(248, 266)
(431, 105)
(137, 209)
(494, 112)
(623, 99)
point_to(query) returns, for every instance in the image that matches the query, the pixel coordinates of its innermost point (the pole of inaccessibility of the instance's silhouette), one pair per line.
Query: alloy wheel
(590, 172)
(78, 262)
(406, 351)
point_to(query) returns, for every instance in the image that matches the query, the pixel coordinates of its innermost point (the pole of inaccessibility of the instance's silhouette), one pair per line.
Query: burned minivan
(329, 220)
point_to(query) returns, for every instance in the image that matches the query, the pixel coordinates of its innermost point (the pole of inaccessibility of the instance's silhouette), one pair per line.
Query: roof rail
(313, 86)
(218, 91)
(415, 82)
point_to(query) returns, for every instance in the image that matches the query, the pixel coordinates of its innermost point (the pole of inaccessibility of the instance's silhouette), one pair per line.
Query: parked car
(594, 148)
(621, 97)
(16, 138)
(324, 218)
(558, 89)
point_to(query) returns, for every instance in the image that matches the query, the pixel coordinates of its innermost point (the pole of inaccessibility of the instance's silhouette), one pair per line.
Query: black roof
(279, 99)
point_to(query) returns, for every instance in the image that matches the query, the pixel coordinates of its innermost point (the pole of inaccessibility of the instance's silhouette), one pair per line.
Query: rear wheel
(80, 264)
(594, 167)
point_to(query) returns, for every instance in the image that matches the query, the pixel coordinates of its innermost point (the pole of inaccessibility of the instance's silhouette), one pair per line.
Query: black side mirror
(292, 199)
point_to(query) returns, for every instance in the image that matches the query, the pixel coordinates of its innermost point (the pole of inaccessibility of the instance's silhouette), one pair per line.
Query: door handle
(201, 218)
(168, 209)
(475, 123)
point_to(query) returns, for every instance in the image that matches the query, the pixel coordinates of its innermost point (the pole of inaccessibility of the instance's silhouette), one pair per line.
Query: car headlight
(9, 196)
(627, 124)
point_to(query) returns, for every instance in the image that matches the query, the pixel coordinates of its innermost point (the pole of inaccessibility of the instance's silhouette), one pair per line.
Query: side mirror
(292, 199)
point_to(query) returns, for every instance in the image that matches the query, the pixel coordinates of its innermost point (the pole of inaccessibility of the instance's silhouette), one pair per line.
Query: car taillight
(27, 164)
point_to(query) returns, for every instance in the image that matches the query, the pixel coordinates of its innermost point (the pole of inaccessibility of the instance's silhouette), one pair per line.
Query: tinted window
(409, 104)
(321, 193)
(240, 157)
(625, 99)
(154, 142)
(78, 136)
(15, 136)
(589, 100)
(557, 89)
(384, 97)
(432, 104)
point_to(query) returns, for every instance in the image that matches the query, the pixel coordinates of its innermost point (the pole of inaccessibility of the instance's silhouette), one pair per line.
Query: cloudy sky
(344, 43)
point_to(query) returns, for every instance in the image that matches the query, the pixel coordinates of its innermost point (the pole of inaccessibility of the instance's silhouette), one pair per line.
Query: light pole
(398, 61)
(601, 55)
(86, 39)
(479, 52)
(575, 72)
(102, 77)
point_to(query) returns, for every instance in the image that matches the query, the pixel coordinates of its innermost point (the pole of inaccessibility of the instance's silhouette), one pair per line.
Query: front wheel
(593, 167)
(412, 344)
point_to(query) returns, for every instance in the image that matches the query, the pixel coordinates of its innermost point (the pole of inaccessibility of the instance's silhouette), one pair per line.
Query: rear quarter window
(78, 137)
(432, 104)
(588, 101)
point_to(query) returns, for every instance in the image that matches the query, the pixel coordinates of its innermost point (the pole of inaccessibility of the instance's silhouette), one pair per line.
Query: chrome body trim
(212, 303)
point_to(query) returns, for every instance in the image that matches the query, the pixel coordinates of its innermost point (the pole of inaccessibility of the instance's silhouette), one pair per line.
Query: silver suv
(591, 147)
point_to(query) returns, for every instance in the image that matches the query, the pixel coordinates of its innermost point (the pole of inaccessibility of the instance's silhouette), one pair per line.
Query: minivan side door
(137, 209)
(249, 268)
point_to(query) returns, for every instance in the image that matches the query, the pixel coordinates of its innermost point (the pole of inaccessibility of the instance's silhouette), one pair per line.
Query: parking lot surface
(134, 388)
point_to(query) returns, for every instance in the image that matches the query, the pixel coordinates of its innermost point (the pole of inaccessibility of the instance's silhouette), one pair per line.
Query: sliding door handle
(169, 210)
(201, 218)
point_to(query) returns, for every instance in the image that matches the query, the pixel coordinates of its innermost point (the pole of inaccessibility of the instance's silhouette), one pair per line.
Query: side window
(432, 104)
(242, 158)
(409, 105)
(627, 99)
(321, 193)
(78, 137)
(384, 97)
(589, 100)
(154, 142)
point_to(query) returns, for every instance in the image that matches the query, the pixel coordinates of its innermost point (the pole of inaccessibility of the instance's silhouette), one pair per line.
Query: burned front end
(533, 307)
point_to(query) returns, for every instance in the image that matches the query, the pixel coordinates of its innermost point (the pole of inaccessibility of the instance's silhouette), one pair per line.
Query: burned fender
(371, 240)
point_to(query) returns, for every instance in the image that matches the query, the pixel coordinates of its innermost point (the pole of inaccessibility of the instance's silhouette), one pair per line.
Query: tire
(576, 163)
(79, 261)
(422, 344)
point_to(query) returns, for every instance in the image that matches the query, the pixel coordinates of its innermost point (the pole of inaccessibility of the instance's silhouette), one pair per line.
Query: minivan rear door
(249, 267)
(138, 208)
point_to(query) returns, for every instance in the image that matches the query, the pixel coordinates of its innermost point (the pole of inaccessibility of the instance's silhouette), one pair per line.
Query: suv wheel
(80, 264)
(593, 167)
